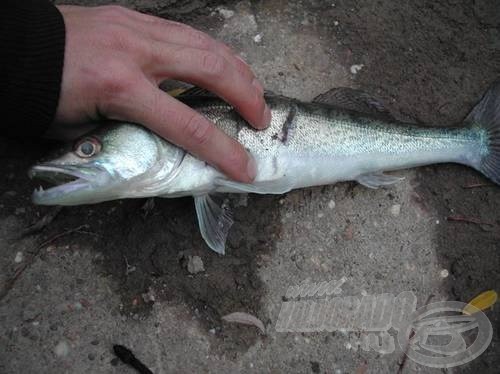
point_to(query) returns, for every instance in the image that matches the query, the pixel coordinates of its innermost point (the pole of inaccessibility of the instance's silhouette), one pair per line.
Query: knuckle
(116, 83)
(198, 39)
(113, 11)
(161, 56)
(212, 64)
(198, 130)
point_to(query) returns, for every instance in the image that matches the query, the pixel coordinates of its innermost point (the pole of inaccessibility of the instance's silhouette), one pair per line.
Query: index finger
(213, 72)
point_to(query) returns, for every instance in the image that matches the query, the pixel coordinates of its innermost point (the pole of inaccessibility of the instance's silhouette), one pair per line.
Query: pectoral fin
(214, 222)
(376, 180)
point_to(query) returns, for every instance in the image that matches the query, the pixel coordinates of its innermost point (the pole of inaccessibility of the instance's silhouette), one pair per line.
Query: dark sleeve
(32, 39)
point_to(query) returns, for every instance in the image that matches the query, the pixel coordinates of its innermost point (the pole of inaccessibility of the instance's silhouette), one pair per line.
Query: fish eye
(87, 147)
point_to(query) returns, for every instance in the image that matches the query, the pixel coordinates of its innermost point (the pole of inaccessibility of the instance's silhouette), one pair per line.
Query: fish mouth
(66, 182)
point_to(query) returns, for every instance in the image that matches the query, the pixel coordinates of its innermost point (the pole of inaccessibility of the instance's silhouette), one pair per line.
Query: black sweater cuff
(32, 40)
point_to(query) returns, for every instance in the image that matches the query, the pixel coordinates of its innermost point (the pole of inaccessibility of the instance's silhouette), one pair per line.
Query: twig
(130, 268)
(410, 338)
(477, 185)
(126, 356)
(42, 223)
(468, 220)
(19, 271)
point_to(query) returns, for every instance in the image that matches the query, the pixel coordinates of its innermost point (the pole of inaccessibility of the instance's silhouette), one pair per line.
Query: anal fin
(214, 221)
(376, 180)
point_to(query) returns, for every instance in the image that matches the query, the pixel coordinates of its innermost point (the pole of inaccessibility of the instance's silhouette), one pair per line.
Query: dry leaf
(246, 319)
(483, 301)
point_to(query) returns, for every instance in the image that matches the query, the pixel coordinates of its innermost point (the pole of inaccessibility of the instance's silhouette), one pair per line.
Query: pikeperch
(344, 135)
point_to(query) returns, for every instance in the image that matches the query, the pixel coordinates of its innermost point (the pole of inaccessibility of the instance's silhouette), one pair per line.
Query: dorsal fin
(354, 100)
(196, 92)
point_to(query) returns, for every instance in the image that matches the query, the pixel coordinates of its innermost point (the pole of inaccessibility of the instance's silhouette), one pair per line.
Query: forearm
(32, 40)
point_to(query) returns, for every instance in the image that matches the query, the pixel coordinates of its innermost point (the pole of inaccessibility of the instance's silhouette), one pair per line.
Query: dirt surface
(117, 273)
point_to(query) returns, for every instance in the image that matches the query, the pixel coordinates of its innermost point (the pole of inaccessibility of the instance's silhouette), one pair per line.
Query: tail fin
(486, 114)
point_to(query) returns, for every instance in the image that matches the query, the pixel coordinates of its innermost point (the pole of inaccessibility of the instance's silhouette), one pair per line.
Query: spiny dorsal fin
(196, 92)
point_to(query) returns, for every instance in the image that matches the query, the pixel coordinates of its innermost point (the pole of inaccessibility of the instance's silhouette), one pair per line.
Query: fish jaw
(83, 185)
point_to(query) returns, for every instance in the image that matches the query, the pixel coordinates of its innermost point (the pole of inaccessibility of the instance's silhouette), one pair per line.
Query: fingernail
(251, 167)
(258, 86)
(241, 59)
(266, 118)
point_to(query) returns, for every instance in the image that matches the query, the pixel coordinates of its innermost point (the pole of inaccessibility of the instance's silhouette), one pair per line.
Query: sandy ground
(116, 273)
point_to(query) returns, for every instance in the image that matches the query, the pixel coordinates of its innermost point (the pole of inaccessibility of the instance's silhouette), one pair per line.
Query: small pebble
(226, 13)
(61, 349)
(19, 257)
(356, 68)
(94, 342)
(195, 265)
(396, 210)
(78, 305)
(19, 211)
(444, 273)
(149, 297)
(331, 204)
(257, 38)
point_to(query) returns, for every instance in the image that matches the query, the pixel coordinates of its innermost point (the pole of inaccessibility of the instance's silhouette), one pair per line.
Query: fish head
(116, 161)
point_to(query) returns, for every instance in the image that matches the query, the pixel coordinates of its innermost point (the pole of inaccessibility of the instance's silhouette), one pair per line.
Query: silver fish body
(311, 144)
(307, 144)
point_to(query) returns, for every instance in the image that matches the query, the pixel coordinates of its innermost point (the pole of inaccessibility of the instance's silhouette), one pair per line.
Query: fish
(342, 135)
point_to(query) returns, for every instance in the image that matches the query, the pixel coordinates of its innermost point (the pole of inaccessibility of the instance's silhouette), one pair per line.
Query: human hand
(116, 58)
